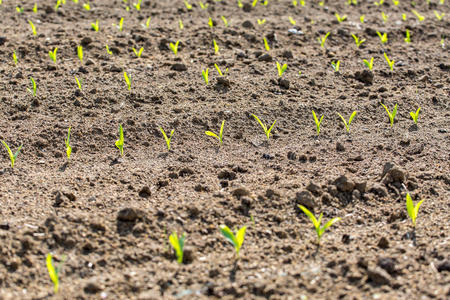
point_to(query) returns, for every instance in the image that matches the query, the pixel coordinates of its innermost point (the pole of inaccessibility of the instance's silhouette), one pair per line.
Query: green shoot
(167, 138)
(358, 41)
(52, 55)
(95, 26)
(323, 39)
(147, 23)
(12, 156)
(127, 80)
(415, 115)
(361, 18)
(138, 53)
(137, 5)
(19, 9)
(299, 73)
(210, 23)
(119, 142)
(67, 141)
(178, 245)
(235, 239)
(294, 3)
(188, 6)
(261, 21)
(220, 71)
(216, 47)
(15, 57)
(281, 69)
(34, 88)
(347, 125)
(339, 18)
(35, 8)
(33, 28)
(203, 6)
(225, 21)
(317, 122)
(379, 3)
(205, 75)
(413, 211)
(404, 17)
(266, 131)
(408, 37)
(266, 44)
(369, 64)
(320, 230)
(240, 5)
(108, 51)
(78, 81)
(121, 24)
(419, 16)
(174, 47)
(384, 17)
(87, 6)
(292, 21)
(180, 24)
(390, 62)
(395, 2)
(57, 5)
(220, 136)
(442, 42)
(80, 53)
(336, 65)
(439, 16)
(383, 37)
(255, 2)
(391, 115)
(54, 272)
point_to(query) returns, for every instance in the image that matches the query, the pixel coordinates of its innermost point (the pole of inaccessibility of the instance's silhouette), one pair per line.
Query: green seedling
(220, 71)
(205, 75)
(391, 115)
(168, 139)
(322, 3)
(336, 65)
(33, 28)
(358, 41)
(35, 8)
(240, 5)
(178, 245)
(180, 24)
(383, 37)
(302, 3)
(235, 239)
(408, 36)
(12, 156)
(266, 131)
(442, 42)
(78, 81)
(137, 5)
(317, 121)
(266, 44)
(369, 64)
(352, 2)
(347, 125)
(34, 88)
(361, 18)
(415, 115)
(384, 17)
(68, 147)
(294, 3)
(188, 6)
(292, 21)
(390, 62)
(52, 55)
(138, 53)
(121, 24)
(413, 211)
(281, 69)
(54, 272)
(419, 16)
(119, 142)
(19, 9)
(95, 26)
(127, 80)
(220, 136)
(395, 2)
(57, 5)
(15, 57)
(210, 23)
(174, 47)
(216, 47)
(261, 21)
(225, 21)
(339, 18)
(379, 3)
(108, 51)
(404, 17)
(323, 39)
(439, 16)
(80, 53)
(87, 6)
(203, 5)
(147, 23)
(320, 230)
(254, 3)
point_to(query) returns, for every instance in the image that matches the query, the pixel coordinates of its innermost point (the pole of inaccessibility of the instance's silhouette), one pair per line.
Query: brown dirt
(111, 215)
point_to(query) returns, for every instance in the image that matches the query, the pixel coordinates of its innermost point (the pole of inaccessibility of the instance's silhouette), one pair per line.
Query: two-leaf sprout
(167, 138)
(320, 230)
(174, 47)
(53, 271)
(34, 88)
(205, 75)
(12, 156)
(52, 55)
(413, 211)
(415, 115)
(323, 39)
(68, 147)
(390, 62)
(358, 41)
(127, 80)
(317, 121)
(138, 53)
(178, 245)
(347, 125)
(281, 69)
(391, 114)
(235, 239)
(266, 131)
(220, 136)
(119, 142)
(369, 63)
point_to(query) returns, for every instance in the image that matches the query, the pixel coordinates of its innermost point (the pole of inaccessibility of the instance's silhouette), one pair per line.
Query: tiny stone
(383, 243)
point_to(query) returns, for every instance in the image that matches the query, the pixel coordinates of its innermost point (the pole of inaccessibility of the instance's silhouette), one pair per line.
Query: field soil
(110, 215)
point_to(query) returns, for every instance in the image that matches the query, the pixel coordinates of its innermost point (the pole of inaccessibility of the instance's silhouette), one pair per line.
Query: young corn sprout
(254, 3)
(320, 230)
(407, 37)
(19, 9)
(347, 125)
(203, 5)
(317, 121)
(57, 5)
(323, 39)
(138, 53)
(127, 80)
(391, 115)
(361, 18)
(33, 28)
(68, 147)
(383, 37)
(339, 18)
(336, 65)
(34, 88)
(15, 57)
(281, 69)
(12, 156)
(240, 5)
(266, 44)
(52, 55)
(292, 21)
(413, 211)
(53, 271)
(415, 115)
(266, 131)
(384, 17)
(261, 21)
(35, 8)
(439, 16)
(108, 51)
(121, 24)
(220, 136)
(78, 81)
(216, 47)
(119, 142)
(358, 41)
(178, 245)
(168, 139)
(395, 2)
(418, 15)
(390, 62)
(188, 6)
(80, 53)
(205, 75)
(235, 239)
(369, 63)
(220, 71)
(87, 6)
(378, 3)
(404, 17)
(210, 23)
(147, 23)
(95, 26)
(137, 5)
(225, 21)
(174, 47)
